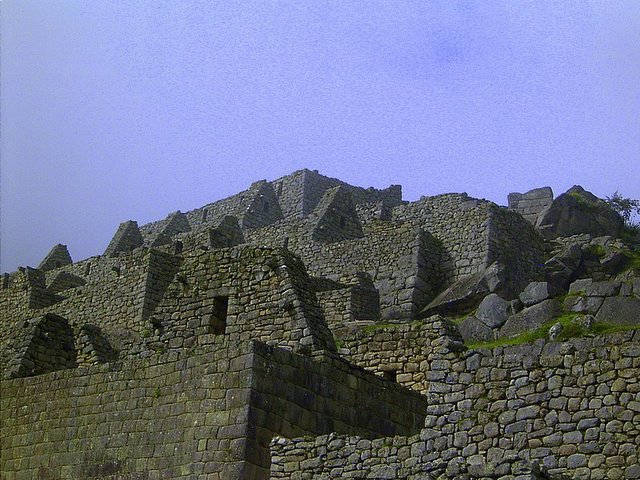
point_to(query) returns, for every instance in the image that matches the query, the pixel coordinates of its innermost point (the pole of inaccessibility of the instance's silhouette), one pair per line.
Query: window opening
(218, 320)
(391, 375)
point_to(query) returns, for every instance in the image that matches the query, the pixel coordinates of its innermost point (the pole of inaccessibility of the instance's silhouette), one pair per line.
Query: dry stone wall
(205, 412)
(531, 203)
(573, 407)
(514, 244)
(265, 296)
(296, 395)
(460, 223)
(166, 416)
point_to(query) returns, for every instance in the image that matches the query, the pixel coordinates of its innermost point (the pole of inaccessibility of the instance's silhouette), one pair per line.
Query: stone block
(620, 311)
(493, 311)
(537, 292)
(531, 318)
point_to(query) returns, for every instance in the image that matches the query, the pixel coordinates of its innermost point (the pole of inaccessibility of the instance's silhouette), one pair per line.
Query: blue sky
(116, 110)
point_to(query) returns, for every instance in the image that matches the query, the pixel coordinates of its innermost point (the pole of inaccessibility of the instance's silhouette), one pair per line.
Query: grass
(630, 233)
(585, 204)
(571, 329)
(634, 260)
(458, 319)
(378, 326)
(596, 250)
(599, 328)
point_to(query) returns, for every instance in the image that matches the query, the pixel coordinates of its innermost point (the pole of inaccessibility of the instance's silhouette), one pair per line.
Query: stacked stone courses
(306, 328)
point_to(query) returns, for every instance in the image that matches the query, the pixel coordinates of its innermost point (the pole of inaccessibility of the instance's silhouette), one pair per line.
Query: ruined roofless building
(307, 328)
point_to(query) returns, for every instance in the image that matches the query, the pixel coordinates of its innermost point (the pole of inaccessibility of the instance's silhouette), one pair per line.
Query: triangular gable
(126, 239)
(57, 257)
(335, 218)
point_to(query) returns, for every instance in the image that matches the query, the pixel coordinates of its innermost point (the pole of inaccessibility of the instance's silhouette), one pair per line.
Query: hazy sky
(117, 110)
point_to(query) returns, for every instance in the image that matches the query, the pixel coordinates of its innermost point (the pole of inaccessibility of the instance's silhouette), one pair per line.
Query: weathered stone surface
(579, 286)
(582, 304)
(467, 293)
(620, 311)
(531, 318)
(531, 203)
(201, 358)
(57, 257)
(536, 292)
(561, 269)
(125, 239)
(493, 311)
(602, 289)
(473, 330)
(578, 211)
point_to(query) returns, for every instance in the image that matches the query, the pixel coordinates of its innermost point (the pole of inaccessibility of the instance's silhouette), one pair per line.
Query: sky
(118, 110)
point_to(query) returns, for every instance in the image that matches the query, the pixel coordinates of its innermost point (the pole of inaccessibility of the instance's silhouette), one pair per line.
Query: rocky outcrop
(467, 293)
(578, 211)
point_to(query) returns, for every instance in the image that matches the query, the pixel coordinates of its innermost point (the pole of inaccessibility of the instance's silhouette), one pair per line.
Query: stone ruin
(309, 329)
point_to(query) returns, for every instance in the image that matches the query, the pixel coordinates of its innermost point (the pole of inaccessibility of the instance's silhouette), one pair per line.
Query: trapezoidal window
(218, 319)
(391, 375)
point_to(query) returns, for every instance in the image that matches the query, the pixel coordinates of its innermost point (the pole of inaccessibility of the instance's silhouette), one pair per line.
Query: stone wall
(573, 407)
(460, 223)
(473, 234)
(515, 244)
(531, 203)
(206, 412)
(166, 416)
(300, 192)
(118, 295)
(245, 292)
(297, 395)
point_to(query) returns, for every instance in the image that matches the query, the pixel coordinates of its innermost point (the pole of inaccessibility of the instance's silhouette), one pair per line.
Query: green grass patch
(570, 329)
(595, 250)
(634, 260)
(458, 319)
(600, 328)
(378, 326)
(630, 233)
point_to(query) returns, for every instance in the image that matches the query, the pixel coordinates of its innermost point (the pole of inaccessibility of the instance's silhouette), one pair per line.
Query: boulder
(473, 330)
(578, 211)
(493, 311)
(467, 293)
(537, 292)
(561, 269)
(620, 311)
(582, 304)
(580, 285)
(531, 318)
(602, 289)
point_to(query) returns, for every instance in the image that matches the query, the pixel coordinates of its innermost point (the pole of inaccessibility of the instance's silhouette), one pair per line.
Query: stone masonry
(306, 328)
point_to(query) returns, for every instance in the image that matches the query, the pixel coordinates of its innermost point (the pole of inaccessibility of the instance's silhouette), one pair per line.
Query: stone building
(306, 328)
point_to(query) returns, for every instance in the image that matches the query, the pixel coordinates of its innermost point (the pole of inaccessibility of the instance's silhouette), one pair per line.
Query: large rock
(531, 318)
(620, 311)
(578, 211)
(467, 293)
(537, 292)
(493, 311)
(473, 330)
(561, 269)
(582, 304)
(602, 289)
